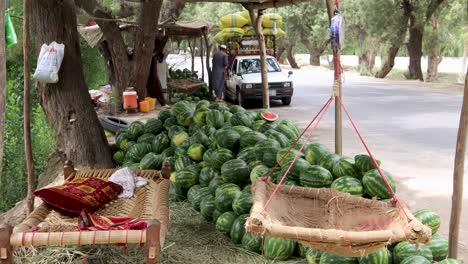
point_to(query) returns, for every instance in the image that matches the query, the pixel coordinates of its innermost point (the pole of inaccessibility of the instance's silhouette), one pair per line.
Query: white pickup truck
(244, 81)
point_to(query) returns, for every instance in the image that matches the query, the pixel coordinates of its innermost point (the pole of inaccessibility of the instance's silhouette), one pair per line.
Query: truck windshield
(247, 66)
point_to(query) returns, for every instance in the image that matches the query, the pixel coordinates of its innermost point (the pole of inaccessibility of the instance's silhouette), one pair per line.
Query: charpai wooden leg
(68, 170)
(6, 254)
(153, 245)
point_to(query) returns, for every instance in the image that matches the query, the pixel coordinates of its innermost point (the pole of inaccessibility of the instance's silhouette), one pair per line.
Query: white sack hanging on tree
(337, 31)
(49, 62)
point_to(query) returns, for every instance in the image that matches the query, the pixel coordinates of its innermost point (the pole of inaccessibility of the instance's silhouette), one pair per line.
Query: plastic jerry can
(145, 106)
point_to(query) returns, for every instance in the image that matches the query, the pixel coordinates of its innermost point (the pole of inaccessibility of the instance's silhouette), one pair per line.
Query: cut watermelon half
(269, 116)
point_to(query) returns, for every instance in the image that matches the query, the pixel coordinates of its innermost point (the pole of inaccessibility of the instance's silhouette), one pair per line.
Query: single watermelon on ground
(215, 118)
(154, 126)
(251, 242)
(225, 194)
(219, 157)
(179, 138)
(405, 249)
(192, 191)
(225, 221)
(449, 261)
(195, 152)
(228, 138)
(250, 138)
(378, 257)
(160, 143)
(236, 109)
(248, 154)
(316, 177)
(200, 116)
(257, 172)
(198, 196)
(241, 119)
(136, 152)
(186, 178)
(330, 258)
(349, 185)
(207, 207)
(215, 183)
(151, 161)
(118, 157)
(135, 130)
(268, 116)
(429, 218)
(278, 248)
(329, 161)
(176, 193)
(146, 138)
(206, 175)
(439, 247)
(165, 114)
(238, 229)
(374, 185)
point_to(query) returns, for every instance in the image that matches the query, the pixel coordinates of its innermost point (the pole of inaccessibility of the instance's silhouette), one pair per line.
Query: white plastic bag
(128, 181)
(49, 62)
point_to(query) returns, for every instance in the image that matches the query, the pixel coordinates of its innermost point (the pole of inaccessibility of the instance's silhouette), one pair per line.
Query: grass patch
(191, 239)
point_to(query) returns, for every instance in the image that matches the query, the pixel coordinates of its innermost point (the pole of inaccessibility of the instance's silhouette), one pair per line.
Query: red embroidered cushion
(78, 194)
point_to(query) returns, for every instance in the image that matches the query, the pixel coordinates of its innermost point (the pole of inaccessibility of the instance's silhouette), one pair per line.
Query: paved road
(410, 127)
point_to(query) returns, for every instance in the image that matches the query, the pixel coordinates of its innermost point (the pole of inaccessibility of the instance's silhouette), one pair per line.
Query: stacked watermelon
(216, 153)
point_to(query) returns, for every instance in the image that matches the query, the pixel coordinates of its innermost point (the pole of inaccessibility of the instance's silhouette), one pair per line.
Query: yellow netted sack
(245, 14)
(232, 21)
(227, 33)
(268, 20)
(248, 31)
(269, 31)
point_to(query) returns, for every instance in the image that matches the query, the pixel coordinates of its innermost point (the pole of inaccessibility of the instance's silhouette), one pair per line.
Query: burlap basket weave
(149, 202)
(331, 221)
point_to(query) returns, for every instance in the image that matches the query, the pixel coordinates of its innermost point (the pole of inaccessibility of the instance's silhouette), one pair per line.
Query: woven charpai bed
(46, 227)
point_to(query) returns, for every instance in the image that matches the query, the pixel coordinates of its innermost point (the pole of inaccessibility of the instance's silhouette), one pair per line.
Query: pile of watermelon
(216, 153)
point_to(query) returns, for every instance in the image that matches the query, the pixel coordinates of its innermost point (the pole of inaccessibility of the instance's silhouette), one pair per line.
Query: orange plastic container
(130, 100)
(145, 106)
(152, 102)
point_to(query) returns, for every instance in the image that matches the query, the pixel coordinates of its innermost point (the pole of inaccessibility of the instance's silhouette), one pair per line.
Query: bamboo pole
(3, 82)
(26, 106)
(201, 58)
(457, 194)
(208, 68)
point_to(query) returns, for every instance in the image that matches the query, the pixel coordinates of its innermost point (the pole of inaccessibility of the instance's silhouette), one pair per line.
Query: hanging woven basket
(331, 221)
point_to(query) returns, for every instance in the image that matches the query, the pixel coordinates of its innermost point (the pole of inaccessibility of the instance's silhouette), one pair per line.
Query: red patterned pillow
(78, 194)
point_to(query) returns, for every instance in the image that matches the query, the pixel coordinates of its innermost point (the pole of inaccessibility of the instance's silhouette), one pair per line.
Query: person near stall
(220, 62)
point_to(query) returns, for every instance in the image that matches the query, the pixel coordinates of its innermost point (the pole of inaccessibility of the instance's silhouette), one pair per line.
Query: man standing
(220, 62)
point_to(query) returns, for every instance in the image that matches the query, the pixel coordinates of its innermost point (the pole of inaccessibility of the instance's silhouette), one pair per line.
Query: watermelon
(168, 152)
(195, 152)
(301, 250)
(378, 257)
(225, 221)
(207, 206)
(439, 247)
(415, 260)
(329, 161)
(206, 175)
(349, 185)
(198, 196)
(201, 138)
(312, 255)
(269, 158)
(192, 192)
(247, 154)
(228, 138)
(160, 143)
(215, 183)
(242, 203)
(429, 218)
(133, 166)
(449, 261)
(278, 248)
(170, 122)
(208, 130)
(216, 215)
(194, 128)
(316, 177)
(315, 152)
(176, 193)
(238, 229)
(269, 116)
(236, 109)
(364, 163)
(118, 157)
(374, 185)
(218, 106)
(345, 167)
(227, 118)
(267, 126)
(257, 172)
(194, 167)
(172, 177)
(251, 242)
(287, 131)
(215, 119)
(299, 166)
(225, 195)
(241, 129)
(241, 119)
(235, 171)
(219, 157)
(183, 113)
(146, 138)
(179, 138)
(174, 130)
(282, 139)
(203, 104)
(153, 126)
(284, 159)
(135, 130)
(186, 178)
(254, 164)
(121, 140)
(181, 162)
(151, 161)
(200, 116)
(180, 152)
(258, 124)
(330, 258)
(137, 152)
(267, 145)
(165, 114)
(250, 138)
(405, 249)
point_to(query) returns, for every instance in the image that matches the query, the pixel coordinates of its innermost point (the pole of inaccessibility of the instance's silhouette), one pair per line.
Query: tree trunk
(366, 54)
(3, 83)
(396, 43)
(462, 73)
(67, 105)
(415, 50)
(315, 54)
(290, 56)
(434, 60)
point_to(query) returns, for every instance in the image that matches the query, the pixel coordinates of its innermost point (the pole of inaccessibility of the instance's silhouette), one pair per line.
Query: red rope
(337, 65)
(297, 155)
(384, 178)
(298, 138)
(337, 3)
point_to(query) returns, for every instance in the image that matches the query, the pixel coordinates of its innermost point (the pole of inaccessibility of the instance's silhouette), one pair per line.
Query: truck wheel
(286, 100)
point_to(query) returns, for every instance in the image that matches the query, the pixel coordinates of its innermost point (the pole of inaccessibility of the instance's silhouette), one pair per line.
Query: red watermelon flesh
(269, 116)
